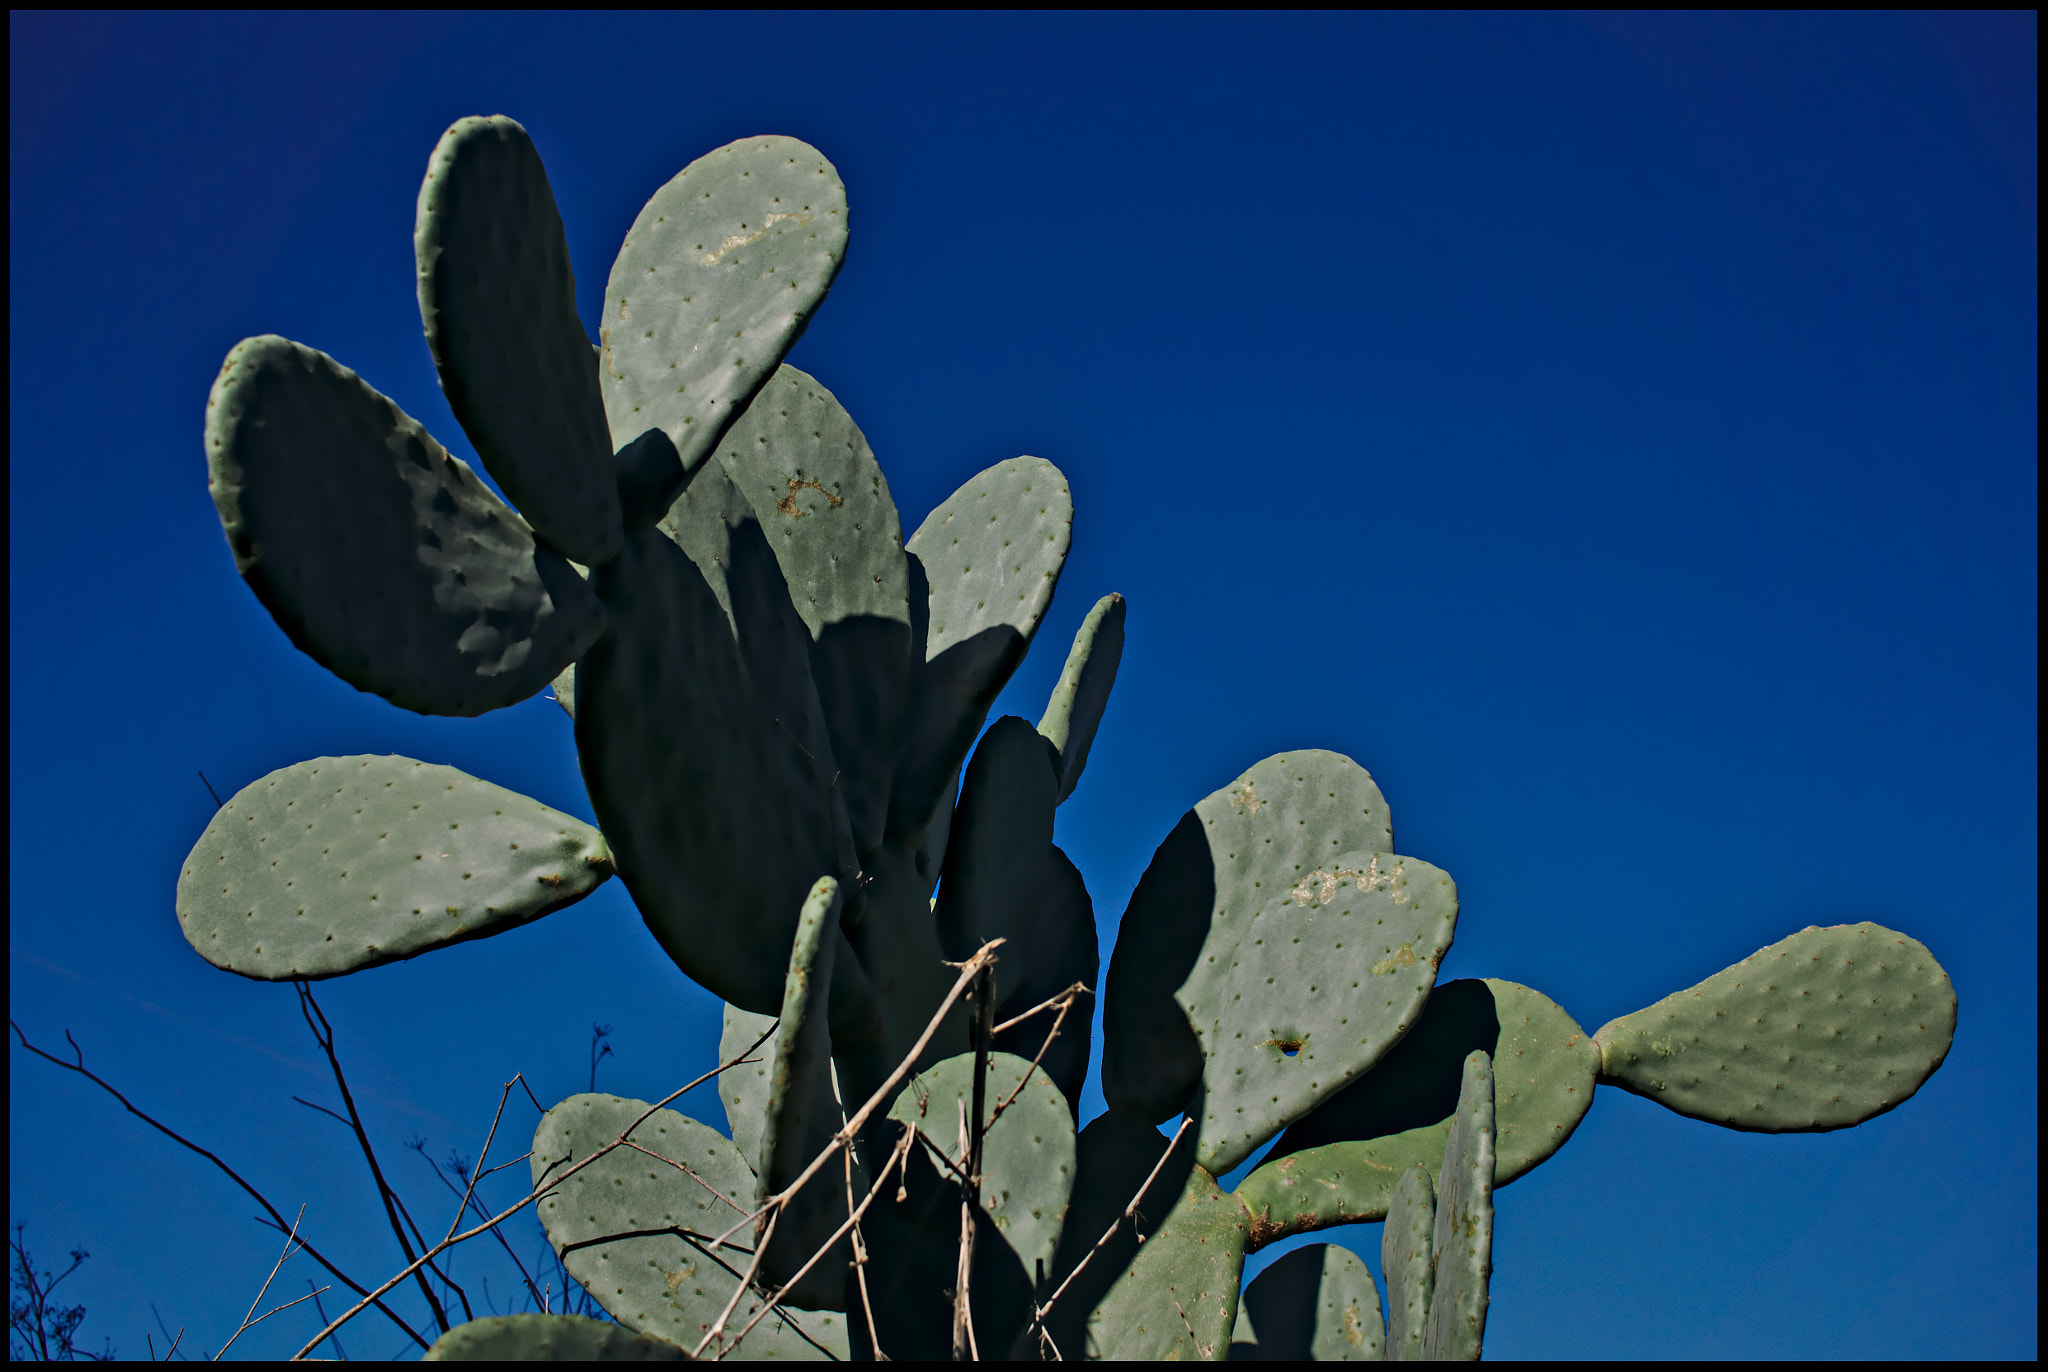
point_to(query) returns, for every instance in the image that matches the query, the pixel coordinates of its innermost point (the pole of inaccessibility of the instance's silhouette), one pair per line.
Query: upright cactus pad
(719, 275)
(1223, 972)
(498, 300)
(778, 704)
(1461, 1252)
(1316, 1304)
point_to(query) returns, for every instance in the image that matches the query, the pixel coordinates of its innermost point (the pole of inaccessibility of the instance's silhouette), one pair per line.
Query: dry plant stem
(276, 1219)
(526, 1200)
(1056, 1002)
(969, 970)
(323, 1034)
(971, 1132)
(897, 1157)
(290, 1238)
(1065, 1000)
(860, 1260)
(1038, 1315)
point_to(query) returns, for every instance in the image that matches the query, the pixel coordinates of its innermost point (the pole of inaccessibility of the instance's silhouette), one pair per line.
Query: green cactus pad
(1462, 1250)
(549, 1338)
(717, 821)
(715, 525)
(638, 1231)
(1316, 1304)
(743, 1090)
(1324, 979)
(1075, 710)
(1822, 1030)
(1339, 1164)
(381, 555)
(1113, 1157)
(1177, 1301)
(651, 477)
(341, 863)
(990, 557)
(802, 1114)
(1027, 1152)
(1405, 1258)
(1005, 879)
(813, 483)
(716, 280)
(498, 300)
(1243, 853)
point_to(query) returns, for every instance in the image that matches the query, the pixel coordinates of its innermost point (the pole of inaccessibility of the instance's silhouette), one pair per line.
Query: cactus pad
(1462, 1250)
(380, 554)
(341, 863)
(803, 1114)
(712, 810)
(990, 556)
(498, 300)
(1075, 710)
(1027, 1157)
(717, 279)
(1316, 1304)
(1339, 1164)
(1183, 1005)
(1005, 879)
(1405, 1258)
(813, 483)
(548, 1338)
(1819, 1031)
(638, 1231)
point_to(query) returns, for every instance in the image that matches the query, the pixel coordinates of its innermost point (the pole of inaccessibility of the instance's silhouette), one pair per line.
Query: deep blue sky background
(1618, 434)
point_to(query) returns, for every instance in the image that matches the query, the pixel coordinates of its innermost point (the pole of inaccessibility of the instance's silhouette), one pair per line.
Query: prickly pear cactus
(778, 703)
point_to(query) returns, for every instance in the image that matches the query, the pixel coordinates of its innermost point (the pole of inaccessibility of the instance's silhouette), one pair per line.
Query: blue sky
(1617, 433)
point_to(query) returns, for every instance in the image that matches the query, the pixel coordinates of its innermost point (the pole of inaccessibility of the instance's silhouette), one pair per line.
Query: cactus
(776, 700)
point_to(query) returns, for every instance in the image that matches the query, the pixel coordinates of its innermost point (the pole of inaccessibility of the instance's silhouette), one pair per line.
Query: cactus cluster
(779, 703)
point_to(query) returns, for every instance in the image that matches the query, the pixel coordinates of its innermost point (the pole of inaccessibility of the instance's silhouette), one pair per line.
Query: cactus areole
(780, 705)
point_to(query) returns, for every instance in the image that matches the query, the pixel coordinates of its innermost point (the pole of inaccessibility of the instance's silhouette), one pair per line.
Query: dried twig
(1065, 1001)
(1130, 1211)
(529, 1198)
(276, 1219)
(969, 970)
(323, 1034)
(291, 1238)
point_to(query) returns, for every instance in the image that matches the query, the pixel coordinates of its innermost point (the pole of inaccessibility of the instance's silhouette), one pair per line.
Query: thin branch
(969, 970)
(232, 1175)
(525, 1200)
(1066, 1003)
(289, 1240)
(323, 1034)
(897, 1158)
(1039, 1313)
(1060, 1001)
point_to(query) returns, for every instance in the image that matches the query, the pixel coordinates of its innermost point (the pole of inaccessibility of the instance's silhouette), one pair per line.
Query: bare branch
(535, 1194)
(1065, 1000)
(1039, 1313)
(290, 1239)
(1060, 1001)
(969, 970)
(323, 1034)
(232, 1175)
